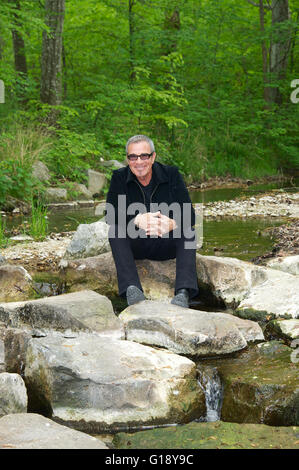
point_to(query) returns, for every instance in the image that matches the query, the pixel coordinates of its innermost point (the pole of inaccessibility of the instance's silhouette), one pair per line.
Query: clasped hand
(155, 223)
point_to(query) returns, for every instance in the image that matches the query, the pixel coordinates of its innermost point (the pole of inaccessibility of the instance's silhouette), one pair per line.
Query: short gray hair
(140, 138)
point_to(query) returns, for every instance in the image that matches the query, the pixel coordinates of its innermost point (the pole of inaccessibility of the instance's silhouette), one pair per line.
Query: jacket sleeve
(181, 194)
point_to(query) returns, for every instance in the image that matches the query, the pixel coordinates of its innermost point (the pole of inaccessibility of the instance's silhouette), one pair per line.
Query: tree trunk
(172, 24)
(280, 46)
(267, 91)
(20, 56)
(131, 41)
(51, 63)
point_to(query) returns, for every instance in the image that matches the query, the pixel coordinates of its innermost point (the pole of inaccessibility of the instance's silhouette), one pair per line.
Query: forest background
(215, 83)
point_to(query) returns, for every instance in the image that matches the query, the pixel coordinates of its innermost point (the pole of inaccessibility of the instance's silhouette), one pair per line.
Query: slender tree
(51, 62)
(19, 53)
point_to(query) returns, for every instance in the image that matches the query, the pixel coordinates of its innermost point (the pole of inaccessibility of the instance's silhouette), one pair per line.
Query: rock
(82, 191)
(13, 394)
(21, 238)
(99, 273)
(96, 181)
(99, 209)
(33, 431)
(89, 240)
(260, 386)
(40, 171)
(15, 283)
(114, 163)
(217, 435)
(186, 331)
(96, 384)
(15, 347)
(84, 310)
(288, 264)
(56, 194)
(277, 297)
(2, 260)
(229, 279)
(256, 292)
(2, 357)
(287, 330)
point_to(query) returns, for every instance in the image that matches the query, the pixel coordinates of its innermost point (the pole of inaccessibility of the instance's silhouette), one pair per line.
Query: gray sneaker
(181, 298)
(134, 295)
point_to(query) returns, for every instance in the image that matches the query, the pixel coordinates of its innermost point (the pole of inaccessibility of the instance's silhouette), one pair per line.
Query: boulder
(278, 296)
(96, 181)
(229, 279)
(84, 310)
(16, 341)
(15, 283)
(186, 331)
(260, 386)
(217, 435)
(99, 273)
(256, 292)
(287, 264)
(286, 330)
(33, 431)
(113, 163)
(40, 171)
(82, 191)
(2, 260)
(56, 194)
(88, 240)
(13, 394)
(96, 384)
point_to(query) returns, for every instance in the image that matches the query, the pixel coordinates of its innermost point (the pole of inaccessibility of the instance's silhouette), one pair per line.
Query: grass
(39, 223)
(3, 238)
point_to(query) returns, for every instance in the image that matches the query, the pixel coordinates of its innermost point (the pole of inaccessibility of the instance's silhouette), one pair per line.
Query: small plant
(39, 221)
(3, 238)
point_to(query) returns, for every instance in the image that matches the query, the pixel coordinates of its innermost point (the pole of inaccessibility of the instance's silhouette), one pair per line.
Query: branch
(267, 7)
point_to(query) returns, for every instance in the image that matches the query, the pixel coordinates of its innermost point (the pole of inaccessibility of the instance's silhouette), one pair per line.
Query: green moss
(217, 435)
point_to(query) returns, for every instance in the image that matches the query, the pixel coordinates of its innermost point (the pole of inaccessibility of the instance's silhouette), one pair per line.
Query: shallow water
(226, 194)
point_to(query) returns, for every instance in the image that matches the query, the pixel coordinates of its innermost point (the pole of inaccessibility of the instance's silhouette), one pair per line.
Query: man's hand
(154, 223)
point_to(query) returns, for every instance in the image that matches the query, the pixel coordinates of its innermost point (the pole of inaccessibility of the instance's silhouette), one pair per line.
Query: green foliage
(194, 83)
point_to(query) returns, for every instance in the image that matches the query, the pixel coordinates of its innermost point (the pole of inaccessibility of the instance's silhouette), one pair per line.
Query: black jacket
(169, 187)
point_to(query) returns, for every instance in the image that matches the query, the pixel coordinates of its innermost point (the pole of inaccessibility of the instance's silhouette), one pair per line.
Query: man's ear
(154, 157)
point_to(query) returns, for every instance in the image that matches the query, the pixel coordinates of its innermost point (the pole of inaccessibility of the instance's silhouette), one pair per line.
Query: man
(151, 216)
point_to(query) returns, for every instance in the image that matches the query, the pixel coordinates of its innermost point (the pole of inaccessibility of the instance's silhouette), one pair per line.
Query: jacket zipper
(155, 188)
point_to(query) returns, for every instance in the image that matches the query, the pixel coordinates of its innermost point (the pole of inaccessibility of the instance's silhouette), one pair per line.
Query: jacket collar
(160, 174)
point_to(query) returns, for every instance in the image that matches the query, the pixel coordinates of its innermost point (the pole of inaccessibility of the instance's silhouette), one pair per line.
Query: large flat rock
(188, 331)
(84, 310)
(256, 292)
(99, 273)
(33, 431)
(98, 384)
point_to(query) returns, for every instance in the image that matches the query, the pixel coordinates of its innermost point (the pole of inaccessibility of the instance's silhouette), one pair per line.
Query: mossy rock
(217, 435)
(260, 386)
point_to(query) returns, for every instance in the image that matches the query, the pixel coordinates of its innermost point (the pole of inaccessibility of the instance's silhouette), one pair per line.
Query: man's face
(142, 169)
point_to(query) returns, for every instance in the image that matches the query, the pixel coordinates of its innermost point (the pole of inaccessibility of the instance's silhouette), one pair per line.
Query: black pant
(125, 250)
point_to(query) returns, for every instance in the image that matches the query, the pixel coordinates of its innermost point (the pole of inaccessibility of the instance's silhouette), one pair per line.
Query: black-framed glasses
(143, 156)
